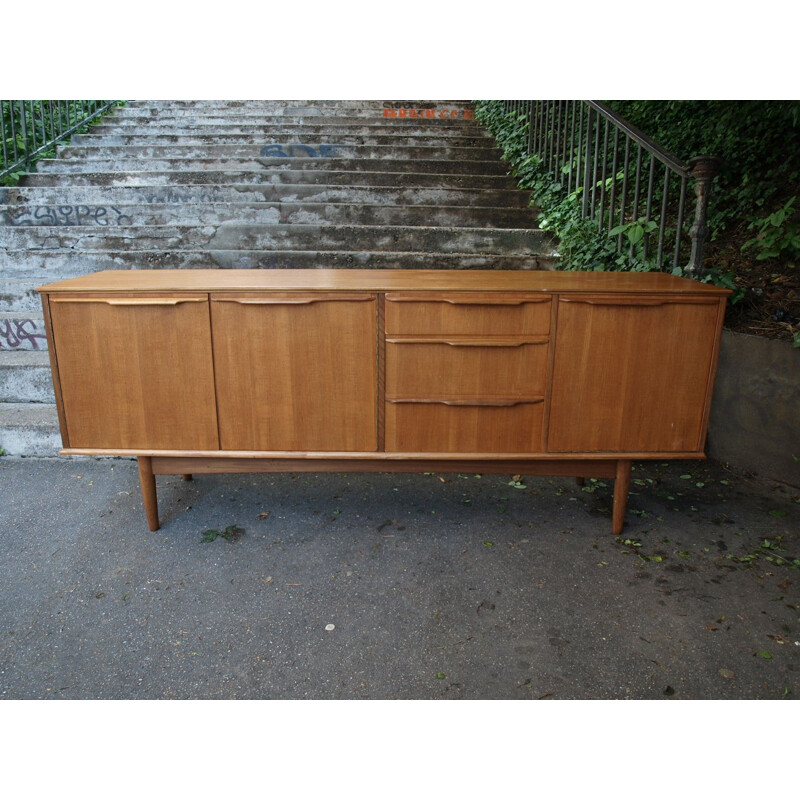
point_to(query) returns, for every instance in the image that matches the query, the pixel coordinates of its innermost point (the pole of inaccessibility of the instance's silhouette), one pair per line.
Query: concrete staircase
(259, 184)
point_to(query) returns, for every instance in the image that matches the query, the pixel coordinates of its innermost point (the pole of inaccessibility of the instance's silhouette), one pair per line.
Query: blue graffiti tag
(306, 151)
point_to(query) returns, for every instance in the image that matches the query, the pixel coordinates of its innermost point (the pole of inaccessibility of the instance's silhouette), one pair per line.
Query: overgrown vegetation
(42, 118)
(754, 219)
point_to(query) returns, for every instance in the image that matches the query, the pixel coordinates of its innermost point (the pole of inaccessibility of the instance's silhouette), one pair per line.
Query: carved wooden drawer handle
(469, 342)
(454, 301)
(488, 402)
(131, 301)
(641, 302)
(291, 301)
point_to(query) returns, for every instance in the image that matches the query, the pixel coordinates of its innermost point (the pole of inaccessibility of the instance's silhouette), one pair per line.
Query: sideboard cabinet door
(296, 371)
(632, 374)
(135, 371)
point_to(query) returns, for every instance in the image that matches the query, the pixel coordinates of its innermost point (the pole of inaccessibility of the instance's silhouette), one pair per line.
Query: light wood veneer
(398, 370)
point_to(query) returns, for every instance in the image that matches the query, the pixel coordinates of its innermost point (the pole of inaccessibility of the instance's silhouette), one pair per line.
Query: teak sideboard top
(570, 373)
(373, 280)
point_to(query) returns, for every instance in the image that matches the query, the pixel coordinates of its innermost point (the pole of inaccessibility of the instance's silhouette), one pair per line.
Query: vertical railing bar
(3, 135)
(612, 201)
(649, 214)
(546, 136)
(637, 188)
(13, 132)
(663, 225)
(679, 229)
(571, 148)
(31, 131)
(530, 127)
(601, 215)
(579, 147)
(41, 119)
(557, 148)
(52, 120)
(595, 166)
(24, 131)
(624, 198)
(586, 173)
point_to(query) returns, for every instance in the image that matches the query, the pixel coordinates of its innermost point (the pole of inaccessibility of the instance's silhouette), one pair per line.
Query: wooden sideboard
(557, 373)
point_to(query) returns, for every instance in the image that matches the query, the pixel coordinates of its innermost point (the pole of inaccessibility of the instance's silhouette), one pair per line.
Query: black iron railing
(632, 188)
(28, 128)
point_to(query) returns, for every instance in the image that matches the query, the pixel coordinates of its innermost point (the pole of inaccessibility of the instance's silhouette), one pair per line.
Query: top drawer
(471, 313)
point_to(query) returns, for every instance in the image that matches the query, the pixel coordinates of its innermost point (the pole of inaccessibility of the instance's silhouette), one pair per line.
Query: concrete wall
(755, 416)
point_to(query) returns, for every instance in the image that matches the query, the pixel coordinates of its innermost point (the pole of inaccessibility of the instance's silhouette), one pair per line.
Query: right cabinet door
(632, 374)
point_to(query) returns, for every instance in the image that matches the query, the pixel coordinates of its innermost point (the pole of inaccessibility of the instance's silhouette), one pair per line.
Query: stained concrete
(755, 416)
(437, 586)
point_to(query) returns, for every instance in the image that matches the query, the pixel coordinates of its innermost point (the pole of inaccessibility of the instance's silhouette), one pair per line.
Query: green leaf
(636, 234)
(765, 654)
(776, 512)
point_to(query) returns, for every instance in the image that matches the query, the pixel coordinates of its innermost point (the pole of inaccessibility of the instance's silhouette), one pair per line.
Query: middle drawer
(422, 368)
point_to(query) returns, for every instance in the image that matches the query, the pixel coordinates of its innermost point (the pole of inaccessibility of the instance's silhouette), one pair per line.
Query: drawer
(469, 313)
(451, 427)
(461, 367)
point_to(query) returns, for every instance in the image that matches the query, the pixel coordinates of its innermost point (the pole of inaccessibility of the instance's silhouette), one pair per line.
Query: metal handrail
(30, 127)
(612, 165)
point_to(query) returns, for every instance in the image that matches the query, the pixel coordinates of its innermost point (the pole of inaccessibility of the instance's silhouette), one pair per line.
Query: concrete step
(192, 117)
(426, 108)
(22, 330)
(311, 175)
(246, 105)
(296, 136)
(272, 163)
(46, 266)
(18, 294)
(25, 377)
(268, 213)
(29, 429)
(323, 130)
(279, 149)
(71, 197)
(236, 236)
(345, 117)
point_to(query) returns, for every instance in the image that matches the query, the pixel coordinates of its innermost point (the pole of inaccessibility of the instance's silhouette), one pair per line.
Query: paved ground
(438, 586)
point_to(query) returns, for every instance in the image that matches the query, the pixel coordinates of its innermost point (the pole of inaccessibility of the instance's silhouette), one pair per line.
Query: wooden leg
(580, 481)
(148, 481)
(187, 477)
(621, 485)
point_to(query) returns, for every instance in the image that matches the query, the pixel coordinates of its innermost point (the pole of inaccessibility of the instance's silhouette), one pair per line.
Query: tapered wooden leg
(187, 477)
(148, 481)
(621, 485)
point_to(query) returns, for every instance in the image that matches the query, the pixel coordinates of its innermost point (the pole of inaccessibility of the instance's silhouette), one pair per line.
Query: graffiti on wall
(67, 215)
(428, 113)
(298, 151)
(21, 334)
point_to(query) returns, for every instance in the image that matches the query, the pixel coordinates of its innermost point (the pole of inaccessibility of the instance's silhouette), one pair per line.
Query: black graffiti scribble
(68, 215)
(13, 332)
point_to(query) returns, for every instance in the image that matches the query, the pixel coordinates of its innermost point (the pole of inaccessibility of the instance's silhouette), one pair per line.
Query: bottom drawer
(439, 427)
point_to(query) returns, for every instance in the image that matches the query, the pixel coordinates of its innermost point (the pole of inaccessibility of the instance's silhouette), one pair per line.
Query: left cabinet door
(136, 371)
(296, 371)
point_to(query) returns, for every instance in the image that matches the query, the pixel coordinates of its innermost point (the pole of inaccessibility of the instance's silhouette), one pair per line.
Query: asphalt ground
(393, 586)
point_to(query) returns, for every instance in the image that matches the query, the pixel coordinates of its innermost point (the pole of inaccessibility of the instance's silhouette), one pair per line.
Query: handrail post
(703, 170)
